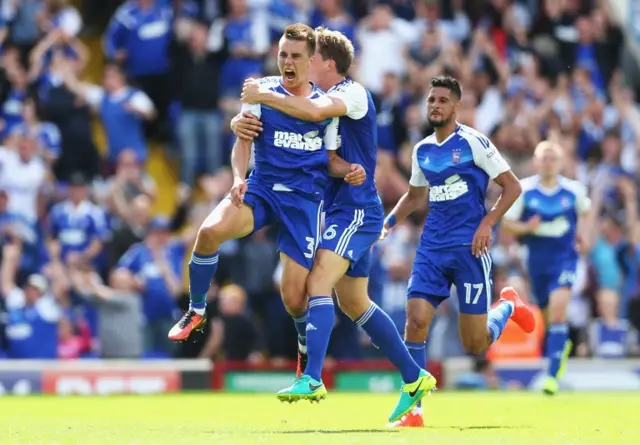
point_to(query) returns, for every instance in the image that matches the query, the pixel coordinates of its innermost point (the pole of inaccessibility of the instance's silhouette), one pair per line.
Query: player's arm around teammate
(246, 126)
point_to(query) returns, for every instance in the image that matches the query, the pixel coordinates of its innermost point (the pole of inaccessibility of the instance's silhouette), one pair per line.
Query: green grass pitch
(198, 419)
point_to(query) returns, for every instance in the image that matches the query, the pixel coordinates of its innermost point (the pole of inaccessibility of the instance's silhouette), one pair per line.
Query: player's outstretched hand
(237, 192)
(481, 243)
(250, 91)
(247, 127)
(356, 175)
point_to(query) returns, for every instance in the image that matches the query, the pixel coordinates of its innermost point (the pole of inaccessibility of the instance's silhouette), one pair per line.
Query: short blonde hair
(333, 45)
(235, 291)
(547, 145)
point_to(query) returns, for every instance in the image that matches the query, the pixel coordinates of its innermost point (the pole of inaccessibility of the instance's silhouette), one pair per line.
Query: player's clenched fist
(356, 175)
(250, 91)
(237, 192)
(246, 126)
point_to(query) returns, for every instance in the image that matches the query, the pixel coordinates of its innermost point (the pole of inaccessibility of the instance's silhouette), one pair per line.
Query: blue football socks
(556, 339)
(385, 336)
(301, 327)
(202, 269)
(418, 352)
(498, 318)
(319, 326)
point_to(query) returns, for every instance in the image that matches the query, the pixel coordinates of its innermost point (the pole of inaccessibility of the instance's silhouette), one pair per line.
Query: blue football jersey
(290, 154)
(553, 243)
(457, 172)
(357, 144)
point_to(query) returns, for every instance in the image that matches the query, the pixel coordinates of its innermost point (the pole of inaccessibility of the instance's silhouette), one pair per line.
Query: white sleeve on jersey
(486, 155)
(515, 211)
(331, 135)
(417, 175)
(354, 97)
(93, 94)
(254, 109)
(583, 203)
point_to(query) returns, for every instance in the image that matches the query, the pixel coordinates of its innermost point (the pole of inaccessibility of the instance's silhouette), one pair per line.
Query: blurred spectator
(46, 134)
(247, 39)
(233, 335)
(120, 315)
(122, 110)
(333, 15)
(157, 264)
(196, 73)
(129, 181)
(78, 227)
(23, 175)
(32, 314)
(12, 106)
(382, 33)
(60, 106)
(129, 229)
(22, 15)
(138, 37)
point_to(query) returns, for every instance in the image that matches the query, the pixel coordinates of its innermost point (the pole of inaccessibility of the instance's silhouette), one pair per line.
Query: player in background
(453, 168)
(285, 188)
(353, 222)
(549, 219)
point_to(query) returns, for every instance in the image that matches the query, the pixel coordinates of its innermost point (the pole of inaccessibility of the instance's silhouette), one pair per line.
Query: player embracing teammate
(353, 223)
(294, 125)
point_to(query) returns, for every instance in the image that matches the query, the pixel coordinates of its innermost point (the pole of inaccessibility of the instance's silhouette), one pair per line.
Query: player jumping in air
(353, 222)
(453, 166)
(292, 161)
(547, 217)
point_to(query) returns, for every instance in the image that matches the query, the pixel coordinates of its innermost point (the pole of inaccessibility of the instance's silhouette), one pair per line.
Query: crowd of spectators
(88, 271)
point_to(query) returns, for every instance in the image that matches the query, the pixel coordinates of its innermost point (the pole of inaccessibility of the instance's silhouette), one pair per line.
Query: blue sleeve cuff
(390, 221)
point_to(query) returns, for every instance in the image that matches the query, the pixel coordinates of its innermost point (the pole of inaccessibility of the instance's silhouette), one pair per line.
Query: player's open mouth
(289, 74)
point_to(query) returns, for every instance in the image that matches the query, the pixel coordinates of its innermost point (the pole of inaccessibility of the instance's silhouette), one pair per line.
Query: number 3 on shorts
(311, 246)
(472, 290)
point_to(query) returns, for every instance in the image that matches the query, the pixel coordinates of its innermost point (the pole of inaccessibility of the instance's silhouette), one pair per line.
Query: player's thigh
(227, 221)
(328, 268)
(429, 285)
(429, 279)
(350, 233)
(293, 284)
(299, 228)
(472, 278)
(353, 295)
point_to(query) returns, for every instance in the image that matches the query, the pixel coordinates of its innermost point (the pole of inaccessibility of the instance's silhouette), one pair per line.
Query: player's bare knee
(294, 298)
(417, 325)
(210, 236)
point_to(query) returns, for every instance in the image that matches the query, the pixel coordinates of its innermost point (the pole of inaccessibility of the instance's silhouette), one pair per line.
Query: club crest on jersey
(456, 155)
(565, 203)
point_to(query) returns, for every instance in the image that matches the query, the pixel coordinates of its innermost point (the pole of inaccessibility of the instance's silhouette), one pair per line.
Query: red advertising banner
(63, 382)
